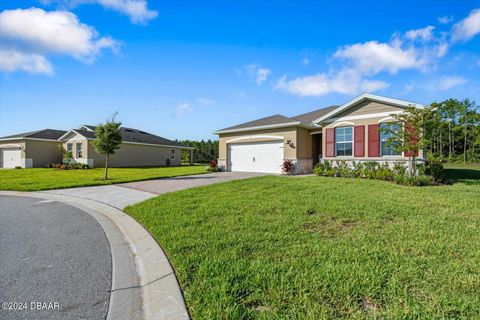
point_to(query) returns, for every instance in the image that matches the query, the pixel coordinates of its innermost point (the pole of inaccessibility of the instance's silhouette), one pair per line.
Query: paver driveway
(122, 195)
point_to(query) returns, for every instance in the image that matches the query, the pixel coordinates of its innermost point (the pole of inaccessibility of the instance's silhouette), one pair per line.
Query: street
(55, 261)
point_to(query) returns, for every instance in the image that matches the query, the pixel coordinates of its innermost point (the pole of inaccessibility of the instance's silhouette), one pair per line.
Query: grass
(44, 179)
(322, 248)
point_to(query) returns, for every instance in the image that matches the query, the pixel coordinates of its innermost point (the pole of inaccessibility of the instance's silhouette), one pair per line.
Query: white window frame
(78, 151)
(385, 140)
(343, 142)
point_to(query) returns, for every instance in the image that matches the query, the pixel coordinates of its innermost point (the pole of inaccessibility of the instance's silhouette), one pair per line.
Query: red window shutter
(330, 142)
(412, 133)
(373, 140)
(359, 141)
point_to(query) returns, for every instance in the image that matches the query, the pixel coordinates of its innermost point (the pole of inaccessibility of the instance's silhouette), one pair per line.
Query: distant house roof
(131, 135)
(278, 120)
(45, 134)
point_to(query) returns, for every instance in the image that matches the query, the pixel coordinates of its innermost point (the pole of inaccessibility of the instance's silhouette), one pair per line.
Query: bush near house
(430, 173)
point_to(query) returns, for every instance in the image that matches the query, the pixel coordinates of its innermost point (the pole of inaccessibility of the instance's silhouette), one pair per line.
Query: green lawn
(44, 179)
(318, 247)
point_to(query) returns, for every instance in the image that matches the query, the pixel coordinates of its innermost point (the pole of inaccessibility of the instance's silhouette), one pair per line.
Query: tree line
(453, 130)
(204, 152)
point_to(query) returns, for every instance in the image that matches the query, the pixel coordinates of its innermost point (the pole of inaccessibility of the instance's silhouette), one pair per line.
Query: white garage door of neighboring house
(10, 157)
(256, 157)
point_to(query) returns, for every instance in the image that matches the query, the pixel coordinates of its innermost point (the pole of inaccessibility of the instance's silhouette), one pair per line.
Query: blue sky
(182, 69)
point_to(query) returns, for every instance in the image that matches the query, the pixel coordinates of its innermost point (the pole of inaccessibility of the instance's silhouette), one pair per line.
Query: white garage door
(10, 157)
(256, 157)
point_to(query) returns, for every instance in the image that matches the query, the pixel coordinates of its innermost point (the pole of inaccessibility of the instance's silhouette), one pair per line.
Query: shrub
(288, 166)
(384, 172)
(343, 169)
(323, 168)
(213, 166)
(399, 169)
(358, 169)
(414, 181)
(68, 166)
(370, 169)
(434, 168)
(18, 167)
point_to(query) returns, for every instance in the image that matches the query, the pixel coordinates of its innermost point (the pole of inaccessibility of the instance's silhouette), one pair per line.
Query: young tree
(108, 139)
(411, 138)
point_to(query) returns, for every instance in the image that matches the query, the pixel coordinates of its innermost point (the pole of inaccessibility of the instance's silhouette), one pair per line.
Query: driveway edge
(155, 279)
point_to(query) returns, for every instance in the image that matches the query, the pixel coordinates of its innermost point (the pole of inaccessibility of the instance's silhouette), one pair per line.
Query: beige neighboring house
(30, 149)
(138, 149)
(348, 132)
(40, 148)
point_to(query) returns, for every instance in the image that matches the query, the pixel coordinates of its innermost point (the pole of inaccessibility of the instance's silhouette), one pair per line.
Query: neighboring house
(30, 149)
(349, 132)
(138, 149)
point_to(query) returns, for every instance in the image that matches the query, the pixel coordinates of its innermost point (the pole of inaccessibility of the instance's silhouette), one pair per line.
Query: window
(343, 141)
(385, 148)
(172, 156)
(79, 150)
(70, 147)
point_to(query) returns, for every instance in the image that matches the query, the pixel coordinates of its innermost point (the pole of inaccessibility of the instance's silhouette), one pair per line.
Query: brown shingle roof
(305, 119)
(272, 120)
(49, 134)
(313, 115)
(134, 135)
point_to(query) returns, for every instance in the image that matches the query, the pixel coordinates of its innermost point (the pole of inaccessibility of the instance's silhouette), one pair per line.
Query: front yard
(318, 247)
(44, 179)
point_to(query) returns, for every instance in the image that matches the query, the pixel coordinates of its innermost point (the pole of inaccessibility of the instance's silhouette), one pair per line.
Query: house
(39, 148)
(30, 149)
(348, 132)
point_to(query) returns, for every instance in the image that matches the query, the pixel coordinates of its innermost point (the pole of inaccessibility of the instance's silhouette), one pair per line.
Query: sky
(183, 69)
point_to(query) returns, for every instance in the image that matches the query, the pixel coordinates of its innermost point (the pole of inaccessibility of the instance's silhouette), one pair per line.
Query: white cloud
(424, 34)
(417, 49)
(30, 35)
(447, 83)
(345, 82)
(205, 102)
(468, 27)
(136, 10)
(183, 109)
(53, 32)
(306, 61)
(260, 74)
(11, 60)
(445, 19)
(374, 57)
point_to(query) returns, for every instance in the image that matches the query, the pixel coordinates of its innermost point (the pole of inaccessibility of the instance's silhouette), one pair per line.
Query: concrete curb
(140, 267)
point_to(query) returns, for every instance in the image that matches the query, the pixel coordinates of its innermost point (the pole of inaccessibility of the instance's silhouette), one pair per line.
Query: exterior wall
(364, 108)
(305, 152)
(42, 152)
(133, 155)
(285, 134)
(15, 143)
(86, 154)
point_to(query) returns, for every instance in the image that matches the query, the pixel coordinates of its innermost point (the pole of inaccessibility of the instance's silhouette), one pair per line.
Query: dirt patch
(369, 306)
(331, 226)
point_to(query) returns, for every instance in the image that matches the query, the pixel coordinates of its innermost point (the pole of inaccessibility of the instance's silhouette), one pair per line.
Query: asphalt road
(55, 261)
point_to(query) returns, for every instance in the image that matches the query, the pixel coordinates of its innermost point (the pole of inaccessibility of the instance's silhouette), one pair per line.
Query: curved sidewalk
(144, 285)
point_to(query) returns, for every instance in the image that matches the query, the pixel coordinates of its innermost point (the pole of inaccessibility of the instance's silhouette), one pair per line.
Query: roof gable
(366, 97)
